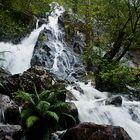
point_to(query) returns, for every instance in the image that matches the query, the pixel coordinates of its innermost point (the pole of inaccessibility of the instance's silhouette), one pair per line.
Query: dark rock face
(61, 21)
(12, 115)
(43, 55)
(91, 131)
(35, 78)
(50, 48)
(70, 96)
(73, 111)
(4, 73)
(9, 110)
(10, 132)
(117, 101)
(133, 93)
(78, 43)
(78, 88)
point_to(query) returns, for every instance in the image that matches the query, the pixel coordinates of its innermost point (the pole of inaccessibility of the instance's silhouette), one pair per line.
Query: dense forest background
(111, 30)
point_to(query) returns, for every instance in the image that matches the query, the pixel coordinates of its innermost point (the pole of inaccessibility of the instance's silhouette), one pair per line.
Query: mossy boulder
(35, 79)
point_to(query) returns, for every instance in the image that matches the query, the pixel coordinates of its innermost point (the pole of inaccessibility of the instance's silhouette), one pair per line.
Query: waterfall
(92, 108)
(16, 58)
(91, 104)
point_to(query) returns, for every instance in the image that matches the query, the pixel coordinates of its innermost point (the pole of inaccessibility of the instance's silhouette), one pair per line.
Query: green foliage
(42, 107)
(26, 113)
(31, 120)
(53, 115)
(25, 97)
(116, 73)
(111, 29)
(18, 16)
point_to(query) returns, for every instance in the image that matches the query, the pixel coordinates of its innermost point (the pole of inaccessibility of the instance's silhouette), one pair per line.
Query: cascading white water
(53, 52)
(16, 58)
(91, 108)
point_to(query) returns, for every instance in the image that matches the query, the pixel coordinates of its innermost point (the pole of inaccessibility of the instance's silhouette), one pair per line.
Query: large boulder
(133, 93)
(34, 79)
(4, 72)
(117, 101)
(91, 131)
(78, 43)
(55, 55)
(10, 132)
(9, 110)
(43, 54)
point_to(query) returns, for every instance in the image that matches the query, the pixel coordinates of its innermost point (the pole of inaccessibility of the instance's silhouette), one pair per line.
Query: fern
(66, 120)
(59, 107)
(43, 107)
(26, 113)
(44, 95)
(53, 115)
(31, 120)
(52, 98)
(25, 97)
(70, 117)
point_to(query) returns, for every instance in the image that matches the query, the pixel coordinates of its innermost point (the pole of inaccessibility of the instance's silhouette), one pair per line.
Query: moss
(18, 18)
(12, 27)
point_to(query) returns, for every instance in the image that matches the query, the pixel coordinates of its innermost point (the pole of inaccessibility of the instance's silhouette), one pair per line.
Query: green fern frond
(43, 107)
(53, 115)
(26, 97)
(69, 117)
(52, 98)
(26, 113)
(59, 107)
(44, 95)
(31, 120)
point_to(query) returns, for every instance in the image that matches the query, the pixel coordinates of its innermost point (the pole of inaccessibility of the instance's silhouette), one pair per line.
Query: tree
(112, 28)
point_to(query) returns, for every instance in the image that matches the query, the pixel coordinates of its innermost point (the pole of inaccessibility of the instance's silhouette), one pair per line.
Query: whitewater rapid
(92, 108)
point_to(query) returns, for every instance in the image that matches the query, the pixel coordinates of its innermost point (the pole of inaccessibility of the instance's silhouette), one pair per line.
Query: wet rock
(4, 73)
(9, 110)
(34, 79)
(133, 93)
(70, 96)
(12, 115)
(51, 48)
(91, 131)
(61, 21)
(78, 88)
(41, 22)
(10, 132)
(57, 135)
(73, 111)
(78, 43)
(43, 54)
(117, 101)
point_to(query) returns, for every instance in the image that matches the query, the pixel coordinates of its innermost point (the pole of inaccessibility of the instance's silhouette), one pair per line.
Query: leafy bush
(45, 109)
(116, 73)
